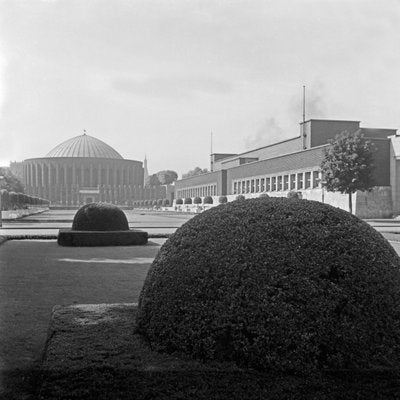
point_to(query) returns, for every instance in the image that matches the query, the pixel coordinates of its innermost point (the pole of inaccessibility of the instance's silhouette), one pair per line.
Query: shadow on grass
(108, 383)
(18, 384)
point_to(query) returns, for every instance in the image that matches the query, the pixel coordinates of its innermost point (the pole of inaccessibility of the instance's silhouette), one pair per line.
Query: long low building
(294, 164)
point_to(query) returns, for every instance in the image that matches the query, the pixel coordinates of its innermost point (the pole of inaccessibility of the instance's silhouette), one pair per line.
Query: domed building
(82, 170)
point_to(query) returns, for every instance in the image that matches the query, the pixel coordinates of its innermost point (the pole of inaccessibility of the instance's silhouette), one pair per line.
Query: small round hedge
(222, 199)
(179, 201)
(188, 200)
(100, 217)
(240, 197)
(264, 195)
(197, 200)
(208, 200)
(278, 284)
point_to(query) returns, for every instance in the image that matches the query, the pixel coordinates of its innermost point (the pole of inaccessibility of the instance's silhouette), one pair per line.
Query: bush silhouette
(100, 217)
(275, 284)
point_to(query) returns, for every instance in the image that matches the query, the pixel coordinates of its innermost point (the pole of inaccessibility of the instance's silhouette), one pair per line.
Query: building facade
(294, 164)
(81, 170)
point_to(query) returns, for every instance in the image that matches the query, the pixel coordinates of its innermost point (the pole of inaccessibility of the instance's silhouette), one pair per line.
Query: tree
(153, 180)
(10, 182)
(167, 177)
(194, 172)
(348, 164)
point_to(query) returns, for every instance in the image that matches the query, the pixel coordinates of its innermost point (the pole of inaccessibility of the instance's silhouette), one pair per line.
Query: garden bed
(92, 353)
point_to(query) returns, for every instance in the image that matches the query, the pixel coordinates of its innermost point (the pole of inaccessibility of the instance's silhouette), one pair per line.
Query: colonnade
(64, 181)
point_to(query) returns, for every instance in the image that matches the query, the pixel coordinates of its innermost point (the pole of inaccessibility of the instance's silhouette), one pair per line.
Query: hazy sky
(157, 77)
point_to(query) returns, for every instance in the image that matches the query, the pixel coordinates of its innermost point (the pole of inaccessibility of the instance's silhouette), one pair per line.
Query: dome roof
(84, 146)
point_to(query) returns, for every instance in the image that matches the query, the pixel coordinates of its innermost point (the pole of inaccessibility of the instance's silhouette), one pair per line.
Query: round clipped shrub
(100, 217)
(240, 197)
(159, 202)
(264, 196)
(197, 200)
(188, 200)
(222, 199)
(154, 202)
(207, 200)
(293, 195)
(165, 202)
(179, 201)
(275, 285)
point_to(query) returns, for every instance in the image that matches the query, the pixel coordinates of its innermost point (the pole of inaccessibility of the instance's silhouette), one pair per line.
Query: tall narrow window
(273, 184)
(307, 180)
(279, 183)
(286, 182)
(262, 184)
(292, 181)
(315, 182)
(267, 184)
(300, 181)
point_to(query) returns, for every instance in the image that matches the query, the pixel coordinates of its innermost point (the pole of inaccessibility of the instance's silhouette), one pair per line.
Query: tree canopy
(10, 181)
(152, 180)
(167, 177)
(348, 164)
(164, 177)
(194, 172)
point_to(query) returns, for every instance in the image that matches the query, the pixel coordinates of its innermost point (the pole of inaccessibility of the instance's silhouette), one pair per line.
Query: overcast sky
(156, 77)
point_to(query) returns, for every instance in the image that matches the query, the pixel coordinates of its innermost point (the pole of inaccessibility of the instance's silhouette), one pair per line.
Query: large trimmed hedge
(100, 217)
(278, 284)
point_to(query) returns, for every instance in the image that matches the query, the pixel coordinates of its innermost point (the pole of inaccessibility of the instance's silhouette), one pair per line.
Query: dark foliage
(100, 217)
(10, 181)
(263, 195)
(197, 200)
(160, 202)
(188, 200)
(167, 177)
(179, 201)
(194, 172)
(222, 199)
(165, 202)
(109, 383)
(5, 199)
(240, 197)
(278, 284)
(207, 200)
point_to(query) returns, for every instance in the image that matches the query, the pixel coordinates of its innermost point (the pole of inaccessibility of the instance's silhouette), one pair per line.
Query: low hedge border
(81, 362)
(68, 237)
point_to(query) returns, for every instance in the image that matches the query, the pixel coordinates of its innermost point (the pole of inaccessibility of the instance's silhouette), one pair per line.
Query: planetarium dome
(84, 146)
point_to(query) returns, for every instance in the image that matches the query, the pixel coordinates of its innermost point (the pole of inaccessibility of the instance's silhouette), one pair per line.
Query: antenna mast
(304, 104)
(211, 143)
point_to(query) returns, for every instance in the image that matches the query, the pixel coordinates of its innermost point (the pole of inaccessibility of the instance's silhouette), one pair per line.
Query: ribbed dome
(84, 146)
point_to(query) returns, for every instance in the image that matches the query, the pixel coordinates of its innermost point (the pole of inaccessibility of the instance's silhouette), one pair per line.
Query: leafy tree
(194, 172)
(10, 181)
(167, 177)
(348, 164)
(153, 180)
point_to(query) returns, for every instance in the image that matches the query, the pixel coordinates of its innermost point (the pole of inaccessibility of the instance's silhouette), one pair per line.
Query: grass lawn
(37, 275)
(93, 353)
